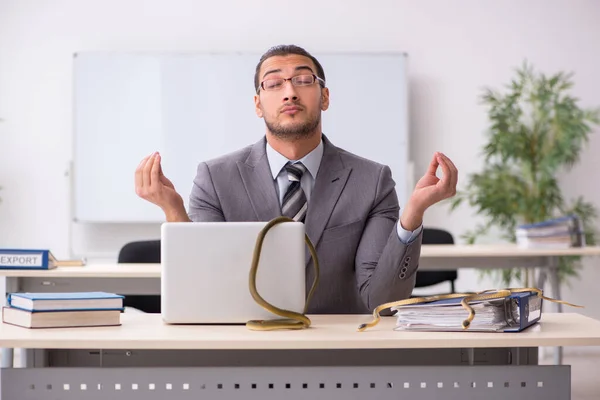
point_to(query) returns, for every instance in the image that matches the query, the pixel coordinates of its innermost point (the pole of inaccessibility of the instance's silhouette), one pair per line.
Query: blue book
(71, 301)
(33, 259)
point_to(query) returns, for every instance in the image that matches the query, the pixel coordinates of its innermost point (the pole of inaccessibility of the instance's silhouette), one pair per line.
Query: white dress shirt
(312, 161)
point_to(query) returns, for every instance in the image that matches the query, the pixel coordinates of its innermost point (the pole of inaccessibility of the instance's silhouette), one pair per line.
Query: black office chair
(141, 252)
(428, 278)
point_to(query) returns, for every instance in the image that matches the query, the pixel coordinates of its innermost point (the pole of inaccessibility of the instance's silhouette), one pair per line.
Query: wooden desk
(145, 278)
(261, 372)
(495, 256)
(147, 331)
(433, 257)
(92, 270)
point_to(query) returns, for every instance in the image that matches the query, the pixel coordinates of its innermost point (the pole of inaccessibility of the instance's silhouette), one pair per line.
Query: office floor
(585, 384)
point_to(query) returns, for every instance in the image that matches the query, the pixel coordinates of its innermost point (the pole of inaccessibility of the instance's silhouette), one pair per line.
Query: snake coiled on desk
(290, 319)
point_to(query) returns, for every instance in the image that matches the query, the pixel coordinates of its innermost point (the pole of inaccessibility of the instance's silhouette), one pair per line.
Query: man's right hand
(152, 185)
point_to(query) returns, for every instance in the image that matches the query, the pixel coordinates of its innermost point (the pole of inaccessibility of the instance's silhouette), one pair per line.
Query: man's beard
(294, 131)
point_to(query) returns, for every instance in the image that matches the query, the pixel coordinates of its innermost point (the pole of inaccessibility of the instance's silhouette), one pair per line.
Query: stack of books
(61, 310)
(560, 232)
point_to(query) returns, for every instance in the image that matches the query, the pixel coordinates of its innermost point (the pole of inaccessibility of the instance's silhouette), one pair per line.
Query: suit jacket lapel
(258, 182)
(329, 183)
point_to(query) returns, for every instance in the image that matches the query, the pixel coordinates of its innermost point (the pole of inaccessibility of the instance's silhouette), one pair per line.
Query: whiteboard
(195, 107)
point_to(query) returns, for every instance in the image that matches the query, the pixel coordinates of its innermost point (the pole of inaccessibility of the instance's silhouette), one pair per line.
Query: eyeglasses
(298, 80)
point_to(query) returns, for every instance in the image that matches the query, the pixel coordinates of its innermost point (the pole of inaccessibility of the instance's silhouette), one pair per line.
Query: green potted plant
(537, 130)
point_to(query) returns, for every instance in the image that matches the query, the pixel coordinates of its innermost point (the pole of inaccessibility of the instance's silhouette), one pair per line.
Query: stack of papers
(448, 315)
(561, 232)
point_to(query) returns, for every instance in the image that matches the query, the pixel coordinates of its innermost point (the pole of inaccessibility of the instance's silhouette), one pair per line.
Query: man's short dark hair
(285, 50)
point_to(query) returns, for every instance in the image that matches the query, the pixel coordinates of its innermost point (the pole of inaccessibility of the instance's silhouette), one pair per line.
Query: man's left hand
(429, 190)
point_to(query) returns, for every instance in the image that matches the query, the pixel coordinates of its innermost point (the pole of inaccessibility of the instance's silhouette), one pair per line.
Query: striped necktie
(294, 203)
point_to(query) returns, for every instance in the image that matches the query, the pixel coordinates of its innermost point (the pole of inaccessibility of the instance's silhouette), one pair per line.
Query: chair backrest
(147, 251)
(437, 236)
(141, 252)
(429, 278)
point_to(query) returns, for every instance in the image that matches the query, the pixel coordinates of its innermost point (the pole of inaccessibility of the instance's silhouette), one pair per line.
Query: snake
(289, 319)
(489, 294)
(294, 320)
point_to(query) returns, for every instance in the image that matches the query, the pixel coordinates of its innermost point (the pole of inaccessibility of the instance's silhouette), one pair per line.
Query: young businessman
(368, 256)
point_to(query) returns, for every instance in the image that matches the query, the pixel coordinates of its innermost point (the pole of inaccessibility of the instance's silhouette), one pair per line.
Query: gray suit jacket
(351, 220)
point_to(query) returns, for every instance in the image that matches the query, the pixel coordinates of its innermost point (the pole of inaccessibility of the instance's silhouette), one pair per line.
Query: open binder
(502, 310)
(513, 313)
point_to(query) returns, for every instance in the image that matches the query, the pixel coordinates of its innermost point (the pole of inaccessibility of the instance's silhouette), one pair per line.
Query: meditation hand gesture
(429, 190)
(152, 185)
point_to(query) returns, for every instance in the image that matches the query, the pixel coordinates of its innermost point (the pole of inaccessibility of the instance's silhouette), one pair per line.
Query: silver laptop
(206, 270)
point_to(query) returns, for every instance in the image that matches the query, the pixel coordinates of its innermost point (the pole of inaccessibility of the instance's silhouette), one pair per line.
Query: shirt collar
(311, 161)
